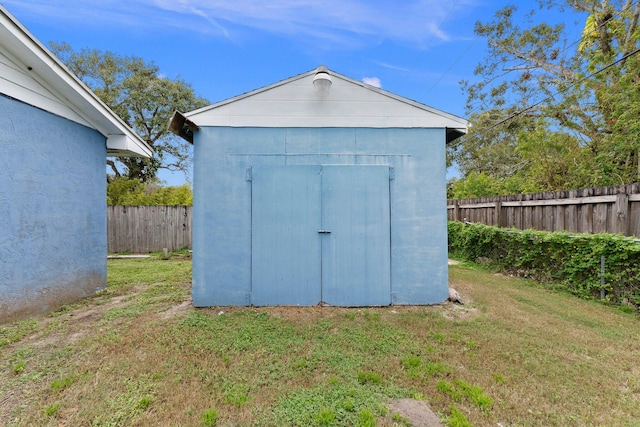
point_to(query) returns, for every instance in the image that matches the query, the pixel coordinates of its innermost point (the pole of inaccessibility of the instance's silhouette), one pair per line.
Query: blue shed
(319, 189)
(55, 135)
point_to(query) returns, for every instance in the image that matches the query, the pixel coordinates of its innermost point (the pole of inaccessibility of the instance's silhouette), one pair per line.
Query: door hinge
(392, 173)
(249, 174)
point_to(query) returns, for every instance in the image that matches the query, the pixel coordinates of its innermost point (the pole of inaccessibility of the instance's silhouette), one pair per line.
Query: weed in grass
(128, 311)
(438, 336)
(209, 417)
(350, 315)
(371, 316)
(457, 419)
(411, 362)
(476, 394)
(448, 389)
(412, 365)
(300, 365)
(366, 418)
(416, 368)
(52, 410)
(325, 417)
(18, 368)
(400, 420)
(419, 396)
(236, 395)
(499, 378)
(348, 404)
(145, 402)
(62, 383)
(17, 331)
(367, 377)
(437, 368)
(463, 389)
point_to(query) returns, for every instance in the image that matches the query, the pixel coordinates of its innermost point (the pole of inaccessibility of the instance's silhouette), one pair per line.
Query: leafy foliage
(548, 113)
(145, 99)
(131, 192)
(573, 261)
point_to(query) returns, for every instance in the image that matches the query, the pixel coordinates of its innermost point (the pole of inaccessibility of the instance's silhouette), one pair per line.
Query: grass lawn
(139, 354)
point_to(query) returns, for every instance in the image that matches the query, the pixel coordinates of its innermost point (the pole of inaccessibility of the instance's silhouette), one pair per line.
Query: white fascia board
(123, 146)
(45, 68)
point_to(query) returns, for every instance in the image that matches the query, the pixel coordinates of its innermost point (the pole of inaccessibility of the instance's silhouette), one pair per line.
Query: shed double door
(320, 234)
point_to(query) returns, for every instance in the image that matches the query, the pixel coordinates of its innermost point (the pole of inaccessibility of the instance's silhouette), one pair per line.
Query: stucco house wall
(55, 135)
(52, 201)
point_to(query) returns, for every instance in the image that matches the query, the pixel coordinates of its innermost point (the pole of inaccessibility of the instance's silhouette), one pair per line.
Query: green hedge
(571, 261)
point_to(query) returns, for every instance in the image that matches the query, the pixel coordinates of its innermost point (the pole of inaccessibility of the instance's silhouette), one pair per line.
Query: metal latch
(324, 231)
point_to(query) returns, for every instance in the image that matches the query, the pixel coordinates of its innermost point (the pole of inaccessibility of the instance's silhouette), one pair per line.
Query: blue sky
(419, 49)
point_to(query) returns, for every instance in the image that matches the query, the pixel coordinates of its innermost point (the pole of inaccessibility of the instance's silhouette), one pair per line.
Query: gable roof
(29, 72)
(294, 103)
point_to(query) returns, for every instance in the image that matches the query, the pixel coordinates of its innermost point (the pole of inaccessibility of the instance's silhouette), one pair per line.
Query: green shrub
(571, 261)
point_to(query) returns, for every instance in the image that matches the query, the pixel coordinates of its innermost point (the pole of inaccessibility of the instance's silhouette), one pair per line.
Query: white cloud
(392, 67)
(368, 20)
(373, 81)
(337, 23)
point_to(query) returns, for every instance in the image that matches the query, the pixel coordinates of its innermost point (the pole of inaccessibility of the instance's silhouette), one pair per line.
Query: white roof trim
(67, 95)
(297, 106)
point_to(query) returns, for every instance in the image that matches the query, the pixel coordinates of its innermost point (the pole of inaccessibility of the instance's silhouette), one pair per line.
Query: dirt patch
(177, 309)
(453, 311)
(8, 400)
(416, 412)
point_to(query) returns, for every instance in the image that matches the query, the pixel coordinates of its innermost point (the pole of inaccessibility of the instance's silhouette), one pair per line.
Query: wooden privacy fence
(144, 229)
(613, 209)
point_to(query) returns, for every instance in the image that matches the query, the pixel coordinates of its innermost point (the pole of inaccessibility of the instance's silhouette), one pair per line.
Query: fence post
(456, 211)
(621, 212)
(498, 213)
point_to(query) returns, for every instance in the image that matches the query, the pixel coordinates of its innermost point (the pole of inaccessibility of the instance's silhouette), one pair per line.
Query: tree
(144, 99)
(131, 192)
(539, 92)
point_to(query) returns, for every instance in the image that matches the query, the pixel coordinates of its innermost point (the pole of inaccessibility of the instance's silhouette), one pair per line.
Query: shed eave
(454, 133)
(182, 127)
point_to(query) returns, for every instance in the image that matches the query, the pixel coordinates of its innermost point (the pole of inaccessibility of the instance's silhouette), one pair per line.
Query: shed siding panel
(349, 106)
(356, 251)
(285, 242)
(222, 202)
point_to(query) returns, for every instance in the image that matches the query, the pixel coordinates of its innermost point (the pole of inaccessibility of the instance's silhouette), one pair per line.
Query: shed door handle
(324, 231)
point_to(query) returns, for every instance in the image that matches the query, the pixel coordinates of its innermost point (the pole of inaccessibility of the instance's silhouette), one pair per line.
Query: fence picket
(614, 209)
(144, 229)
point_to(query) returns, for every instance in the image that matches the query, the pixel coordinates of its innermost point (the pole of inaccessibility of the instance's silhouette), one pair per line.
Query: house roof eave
(50, 72)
